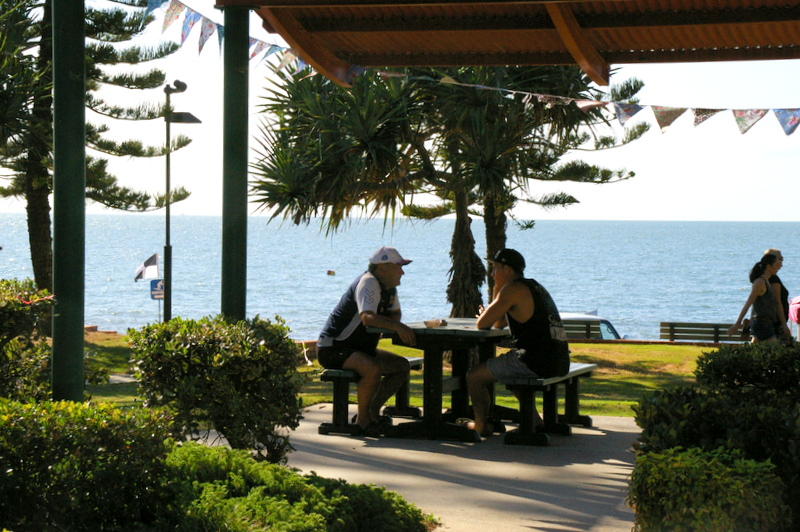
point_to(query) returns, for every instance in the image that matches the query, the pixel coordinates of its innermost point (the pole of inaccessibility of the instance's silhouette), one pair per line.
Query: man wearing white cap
(370, 301)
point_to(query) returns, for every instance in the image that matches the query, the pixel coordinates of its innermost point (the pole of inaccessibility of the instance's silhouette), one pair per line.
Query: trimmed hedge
(762, 367)
(748, 401)
(73, 466)
(238, 378)
(706, 490)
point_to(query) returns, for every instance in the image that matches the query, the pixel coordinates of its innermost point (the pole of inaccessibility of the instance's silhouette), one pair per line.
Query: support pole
(168, 200)
(234, 160)
(69, 198)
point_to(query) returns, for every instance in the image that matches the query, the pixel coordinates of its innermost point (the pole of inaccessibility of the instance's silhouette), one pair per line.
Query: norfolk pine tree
(26, 151)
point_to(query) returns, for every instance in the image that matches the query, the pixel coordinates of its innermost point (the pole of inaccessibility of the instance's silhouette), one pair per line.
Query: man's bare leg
(395, 370)
(370, 373)
(478, 379)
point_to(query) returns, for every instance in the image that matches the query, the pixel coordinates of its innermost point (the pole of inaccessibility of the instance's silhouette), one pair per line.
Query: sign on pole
(157, 289)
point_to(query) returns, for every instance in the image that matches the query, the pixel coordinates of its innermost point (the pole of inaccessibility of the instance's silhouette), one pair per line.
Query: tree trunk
(467, 272)
(496, 223)
(37, 175)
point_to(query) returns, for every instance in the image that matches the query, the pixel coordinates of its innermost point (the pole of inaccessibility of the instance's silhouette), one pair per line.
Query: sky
(709, 172)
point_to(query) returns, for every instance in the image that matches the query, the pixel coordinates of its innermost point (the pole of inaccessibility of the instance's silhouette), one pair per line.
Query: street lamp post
(171, 117)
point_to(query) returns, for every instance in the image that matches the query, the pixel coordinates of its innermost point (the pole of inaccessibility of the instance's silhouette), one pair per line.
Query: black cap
(510, 257)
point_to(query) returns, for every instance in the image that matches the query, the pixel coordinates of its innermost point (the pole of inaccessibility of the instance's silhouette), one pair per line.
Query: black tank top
(541, 341)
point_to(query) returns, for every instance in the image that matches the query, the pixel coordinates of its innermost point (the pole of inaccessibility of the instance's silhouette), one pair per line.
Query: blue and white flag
(148, 269)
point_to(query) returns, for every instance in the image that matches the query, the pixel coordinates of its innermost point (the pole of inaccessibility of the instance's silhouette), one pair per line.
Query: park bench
(526, 387)
(341, 379)
(714, 333)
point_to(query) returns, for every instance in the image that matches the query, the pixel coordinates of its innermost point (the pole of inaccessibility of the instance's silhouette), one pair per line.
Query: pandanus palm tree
(333, 153)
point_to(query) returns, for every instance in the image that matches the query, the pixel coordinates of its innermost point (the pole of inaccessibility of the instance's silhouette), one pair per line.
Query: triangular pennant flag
(747, 118)
(173, 12)
(258, 48)
(288, 57)
(273, 48)
(152, 5)
(207, 29)
(301, 65)
(665, 116)
(148, 269)
(788, 118)
(221, 35)
(701, 115)
(188, 23)
(549, 101)
(447, 80)
(625, 111)
(585, 105)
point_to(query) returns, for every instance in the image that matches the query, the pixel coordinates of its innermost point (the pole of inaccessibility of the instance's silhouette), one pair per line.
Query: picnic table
(458, 335)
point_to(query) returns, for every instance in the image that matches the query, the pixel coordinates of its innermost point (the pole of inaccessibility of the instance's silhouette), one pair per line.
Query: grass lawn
(625, 373)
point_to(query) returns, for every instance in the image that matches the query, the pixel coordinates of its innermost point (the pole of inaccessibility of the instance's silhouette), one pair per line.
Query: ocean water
(636, 274)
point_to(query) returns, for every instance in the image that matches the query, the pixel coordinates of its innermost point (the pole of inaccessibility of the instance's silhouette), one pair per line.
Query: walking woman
(764, 324)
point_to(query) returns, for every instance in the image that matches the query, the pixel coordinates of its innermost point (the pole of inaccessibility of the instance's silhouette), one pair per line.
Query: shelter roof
(337, 37)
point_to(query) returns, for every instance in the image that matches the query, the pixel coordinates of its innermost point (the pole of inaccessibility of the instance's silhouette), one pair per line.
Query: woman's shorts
(762, 330)
(508, 366)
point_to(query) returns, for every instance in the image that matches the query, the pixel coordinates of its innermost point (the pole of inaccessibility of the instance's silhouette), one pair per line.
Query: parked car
(585, 326)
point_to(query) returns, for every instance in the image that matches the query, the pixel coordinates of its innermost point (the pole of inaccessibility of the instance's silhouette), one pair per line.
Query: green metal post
(234, 163)
(69, 198)
(168, 199)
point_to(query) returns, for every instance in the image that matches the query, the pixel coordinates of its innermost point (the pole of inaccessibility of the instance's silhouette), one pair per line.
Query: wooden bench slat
(700, 332)
(576, 369)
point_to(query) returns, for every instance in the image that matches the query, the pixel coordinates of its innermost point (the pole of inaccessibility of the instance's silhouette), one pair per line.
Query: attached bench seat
(698, 332)
(526, 389)
(341, 379)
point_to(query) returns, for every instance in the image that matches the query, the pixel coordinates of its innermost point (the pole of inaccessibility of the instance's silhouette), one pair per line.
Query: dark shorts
(762, 330)
(334, 357)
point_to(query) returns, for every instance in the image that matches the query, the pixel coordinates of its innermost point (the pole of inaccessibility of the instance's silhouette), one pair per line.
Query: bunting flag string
(208, 27)
(789, 119)
(745, 119)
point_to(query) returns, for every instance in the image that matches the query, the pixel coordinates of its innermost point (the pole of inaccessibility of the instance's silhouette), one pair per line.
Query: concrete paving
(577, 483)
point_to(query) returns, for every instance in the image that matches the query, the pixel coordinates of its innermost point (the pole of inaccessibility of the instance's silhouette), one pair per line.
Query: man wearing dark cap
(371, 300)
(540, 342)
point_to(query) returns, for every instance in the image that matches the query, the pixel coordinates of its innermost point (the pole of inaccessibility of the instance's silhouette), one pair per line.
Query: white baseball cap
(388, 255)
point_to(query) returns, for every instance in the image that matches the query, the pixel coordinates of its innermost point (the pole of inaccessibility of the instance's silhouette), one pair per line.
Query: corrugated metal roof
(336, 36)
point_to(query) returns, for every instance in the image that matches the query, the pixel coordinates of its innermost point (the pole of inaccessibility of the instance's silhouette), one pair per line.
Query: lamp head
(179, 87)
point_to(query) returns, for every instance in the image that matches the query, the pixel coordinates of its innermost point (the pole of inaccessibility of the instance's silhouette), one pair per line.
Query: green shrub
(82, 468)
(226, 489)
(25, 353)
(72, 466)
(368, 508)
(698, 490)
(762, 429)
(763, 367)
(24, 311)
(239, 378)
